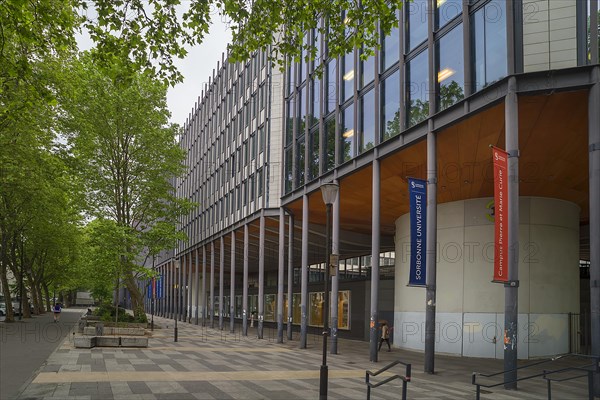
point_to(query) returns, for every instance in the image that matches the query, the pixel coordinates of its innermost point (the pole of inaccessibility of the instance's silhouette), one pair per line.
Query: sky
(196, 69)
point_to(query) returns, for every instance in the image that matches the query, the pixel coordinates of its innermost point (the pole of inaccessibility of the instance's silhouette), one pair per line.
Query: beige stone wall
(549, 34)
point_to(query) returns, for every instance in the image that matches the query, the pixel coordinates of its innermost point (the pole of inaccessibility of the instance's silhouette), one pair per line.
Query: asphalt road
(25, 346)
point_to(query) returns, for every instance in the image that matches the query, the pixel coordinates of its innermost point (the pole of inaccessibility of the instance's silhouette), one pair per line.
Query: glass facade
(446, 11)
(416, 17)
(347, 134)
(488, 43)
(390, 46)
(367, 124)
(450, 68)
(390, 106)
(417, 96)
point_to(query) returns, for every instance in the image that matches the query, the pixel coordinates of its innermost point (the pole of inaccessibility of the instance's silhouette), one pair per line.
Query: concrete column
(375, 245)
(232, 286)
(304, 283)
(280, 275)
(179, 294)
(261, 275)
(335, 283)
(511, 291)
(184, 286)
(594, 188)
(190, 287)
(290, 277)
(221, 281)
(211, 300)
(204, 300)
(245, 284)
(430, 257)
(168, 289)
(197, 286)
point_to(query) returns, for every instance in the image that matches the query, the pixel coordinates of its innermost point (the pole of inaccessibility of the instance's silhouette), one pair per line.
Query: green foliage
(107, 313)
(126, 155)
(147, 35)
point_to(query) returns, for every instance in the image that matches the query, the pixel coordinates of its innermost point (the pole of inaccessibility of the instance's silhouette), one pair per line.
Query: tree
(127, 157)
(146, 35)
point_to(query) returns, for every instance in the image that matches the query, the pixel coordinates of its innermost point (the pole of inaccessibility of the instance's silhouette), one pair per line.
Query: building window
(329, 155)
(302, 115)
(416, 15)
(289, 119)
(417, 107)
(330, 99)
(252, 185)
(259, 178)
(347, 137)
(313, 152)
(450, 68)
(367, 70)
(390, 49)
(446, 11)
(390, 106)
(348, 76)
(300, 146)
(288, 169)
(314, 104)
(488, 41)
(367, 123)
(291, 77)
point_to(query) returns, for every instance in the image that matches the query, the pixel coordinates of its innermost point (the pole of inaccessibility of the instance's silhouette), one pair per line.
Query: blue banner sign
(417, 193)
(159, 287)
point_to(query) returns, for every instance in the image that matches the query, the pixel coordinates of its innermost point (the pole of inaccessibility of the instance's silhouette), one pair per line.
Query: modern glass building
(455, 77)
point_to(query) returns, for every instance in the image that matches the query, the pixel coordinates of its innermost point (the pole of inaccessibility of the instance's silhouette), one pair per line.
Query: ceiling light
(445, 74)
(349, 75)
(348, 133)
(440, 3)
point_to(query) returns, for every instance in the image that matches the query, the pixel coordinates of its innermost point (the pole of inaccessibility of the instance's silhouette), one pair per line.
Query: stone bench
(87, 342)
(109, 330)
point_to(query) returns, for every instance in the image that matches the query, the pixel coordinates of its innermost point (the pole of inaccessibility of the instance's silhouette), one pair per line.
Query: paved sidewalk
(212, 364)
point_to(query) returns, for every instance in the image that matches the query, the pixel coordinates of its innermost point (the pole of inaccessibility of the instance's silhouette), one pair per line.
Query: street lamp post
(329, 192)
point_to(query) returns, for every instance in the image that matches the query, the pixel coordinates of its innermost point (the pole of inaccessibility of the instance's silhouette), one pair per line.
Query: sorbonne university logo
(490, 215)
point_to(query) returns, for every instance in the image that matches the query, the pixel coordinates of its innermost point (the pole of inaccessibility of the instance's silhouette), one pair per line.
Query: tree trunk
(10, 314)
(137, 301)
(47, 296)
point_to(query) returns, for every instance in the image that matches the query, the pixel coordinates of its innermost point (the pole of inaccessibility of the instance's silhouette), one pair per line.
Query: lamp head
(329, 192)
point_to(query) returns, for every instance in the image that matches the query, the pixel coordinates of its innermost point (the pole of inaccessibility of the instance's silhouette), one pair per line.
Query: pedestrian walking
(385, 336)
(57, 309)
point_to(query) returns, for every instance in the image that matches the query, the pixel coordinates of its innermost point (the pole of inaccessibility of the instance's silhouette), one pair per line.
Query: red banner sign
(500, 158)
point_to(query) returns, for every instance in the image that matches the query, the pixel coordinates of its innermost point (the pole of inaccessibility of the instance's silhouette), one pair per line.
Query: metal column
(211, 299)
(280, 275)
(335, 283)
(375, 245)
(179, 293)
(232, 286)
(204, 303)
(290, 277)
(190, 287)
(430, 257)
(197, 286)
(245, 284)
(261, 275)
(304, 266)
(185, 287)
(511, 291)
(221, 280)
(594, 188)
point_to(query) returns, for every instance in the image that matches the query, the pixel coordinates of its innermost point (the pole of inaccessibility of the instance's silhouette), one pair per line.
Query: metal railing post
(591, 385)
(549, 384)
(368, 387)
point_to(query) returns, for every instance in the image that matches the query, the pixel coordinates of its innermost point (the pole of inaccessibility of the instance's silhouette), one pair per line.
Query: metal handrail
(591, 372)
(405, 379)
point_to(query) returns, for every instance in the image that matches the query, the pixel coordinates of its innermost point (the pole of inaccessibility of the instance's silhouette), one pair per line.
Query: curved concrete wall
(470, 308)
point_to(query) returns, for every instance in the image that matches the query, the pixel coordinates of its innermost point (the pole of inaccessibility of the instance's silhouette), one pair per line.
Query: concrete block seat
(87, 342)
